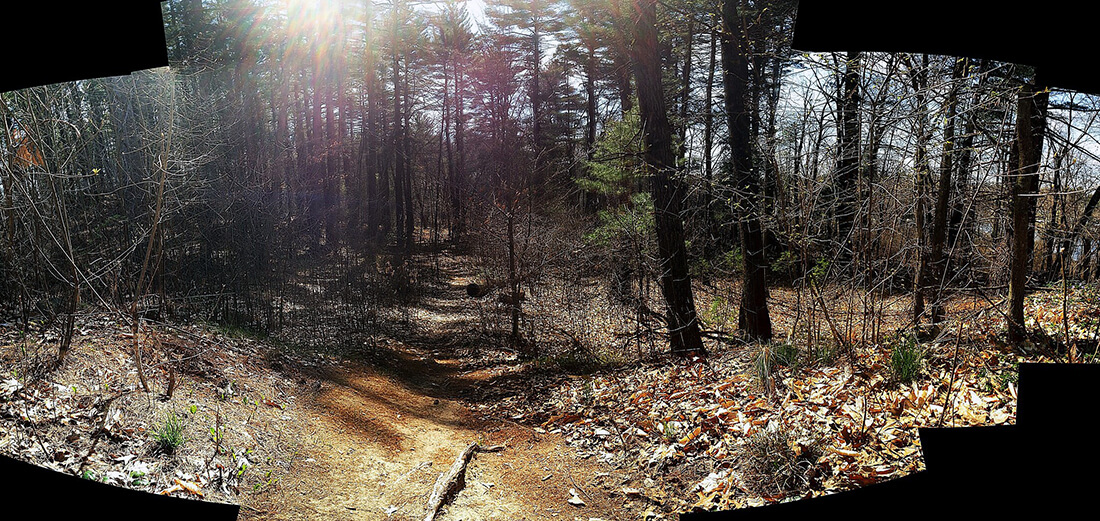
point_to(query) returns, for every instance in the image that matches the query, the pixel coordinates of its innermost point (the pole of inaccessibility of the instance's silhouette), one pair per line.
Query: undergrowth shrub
(170, 435)
(786, 355)
(763, 362)
(774, 355)
(775, 462)
(579, 361)
(573, 362)
(822, 353)
(719, 314)
(905, 359)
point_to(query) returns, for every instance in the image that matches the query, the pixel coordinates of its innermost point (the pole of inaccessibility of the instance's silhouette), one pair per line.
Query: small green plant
(240, 331)
(267, 481)
(822, 353)
(786, 355)
(575, 362)
(700, 269)
(716, 313)
(170, 435)
(668, 431)
(586, 393)
(732, 260)
(905, 359)
(985, 381)
(224, 393)
(1007, 376)
(785, 263)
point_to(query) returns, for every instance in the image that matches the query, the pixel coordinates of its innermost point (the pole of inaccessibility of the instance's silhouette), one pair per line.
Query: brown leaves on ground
(89, 417)
(678, 435)
(691, 424)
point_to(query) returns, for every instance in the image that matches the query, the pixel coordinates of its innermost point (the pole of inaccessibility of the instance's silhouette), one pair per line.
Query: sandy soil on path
(373, 442)
(372, 449)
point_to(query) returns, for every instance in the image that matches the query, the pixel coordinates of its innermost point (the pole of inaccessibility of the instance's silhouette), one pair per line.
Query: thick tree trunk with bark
(590, 72)
(397, 139)
(621, 66)
(513, 279)
(331, 182)
(753, 316)
(317, 169)
(683, 326)
(407, 238)
(847, 169)
(685, 86)
(1030, 129)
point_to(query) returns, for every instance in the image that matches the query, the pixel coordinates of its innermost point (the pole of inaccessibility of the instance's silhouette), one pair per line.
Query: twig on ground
(451, 481)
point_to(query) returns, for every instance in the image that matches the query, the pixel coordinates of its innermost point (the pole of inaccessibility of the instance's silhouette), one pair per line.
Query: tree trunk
(963, 212)
(331, 182)
(685, 85)
(708, 113)
(1053, 229)
(847, 170)
(406, 157)
(371, 134)
(397, 138)
(513, 279)
(621, 67)
(1084, 270)
(753, 316)
(459, 187)
(919, 80)
(1030, 129)
(1068, 242)
(684, 336)
(590, 71)
(539, 176)
(317, 174)
(936, 261)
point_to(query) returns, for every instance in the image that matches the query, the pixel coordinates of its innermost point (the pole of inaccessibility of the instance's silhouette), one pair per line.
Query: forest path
(374, 438)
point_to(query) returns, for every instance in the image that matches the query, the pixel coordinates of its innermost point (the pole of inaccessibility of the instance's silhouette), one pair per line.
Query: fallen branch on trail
(451, 481)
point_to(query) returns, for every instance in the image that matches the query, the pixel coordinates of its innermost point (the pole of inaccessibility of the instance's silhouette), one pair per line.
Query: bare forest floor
(324, 424)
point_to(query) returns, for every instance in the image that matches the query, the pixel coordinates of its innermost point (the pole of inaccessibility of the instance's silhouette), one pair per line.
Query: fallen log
(451, 481)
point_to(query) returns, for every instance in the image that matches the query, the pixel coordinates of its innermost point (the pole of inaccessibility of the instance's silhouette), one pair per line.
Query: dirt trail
(373, 443)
